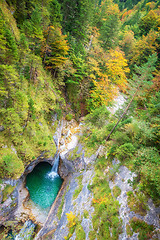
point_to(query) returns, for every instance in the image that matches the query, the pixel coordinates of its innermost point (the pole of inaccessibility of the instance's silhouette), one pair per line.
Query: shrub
(69, 117)
(12, 165)
(125, 151)
(98, 117)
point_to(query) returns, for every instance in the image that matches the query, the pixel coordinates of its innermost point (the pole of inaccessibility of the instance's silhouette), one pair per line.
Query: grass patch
(116, 191)
(129, 230)
(59, 212)
(80, 187)
(80, 233)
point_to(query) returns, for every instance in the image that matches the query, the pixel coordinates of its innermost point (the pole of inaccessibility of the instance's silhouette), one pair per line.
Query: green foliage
(125, 151)
(80, 233)
(3, 42)
(12, 53)
(109, 24)
(126, 3)
(148, 22)
(28, 99)
(86, 213)
(55, 12)
(69, 117)
(10, 165)
(77, 15)
(147, 161)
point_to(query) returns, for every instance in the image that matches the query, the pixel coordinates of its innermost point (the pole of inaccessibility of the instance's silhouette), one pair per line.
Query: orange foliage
(100, 200)
(125, 14)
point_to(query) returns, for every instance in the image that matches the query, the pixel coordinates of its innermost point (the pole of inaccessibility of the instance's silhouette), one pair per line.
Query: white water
(54, 170)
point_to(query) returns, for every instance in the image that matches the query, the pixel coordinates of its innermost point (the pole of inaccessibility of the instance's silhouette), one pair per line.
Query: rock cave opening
(44, 183)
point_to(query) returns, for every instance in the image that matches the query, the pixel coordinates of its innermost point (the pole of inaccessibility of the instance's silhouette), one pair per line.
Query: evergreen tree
(141, 81)
(3, 42)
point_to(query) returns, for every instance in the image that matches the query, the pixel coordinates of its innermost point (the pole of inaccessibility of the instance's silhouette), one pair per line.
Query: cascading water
(54, 170)
(43, 183)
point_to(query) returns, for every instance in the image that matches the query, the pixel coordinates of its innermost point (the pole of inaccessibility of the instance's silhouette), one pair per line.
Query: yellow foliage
(147, 44)
(104, 92)
(71, 219)
(117, 68)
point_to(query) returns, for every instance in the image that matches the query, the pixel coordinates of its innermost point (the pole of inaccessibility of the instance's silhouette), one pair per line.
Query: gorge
(79, 120)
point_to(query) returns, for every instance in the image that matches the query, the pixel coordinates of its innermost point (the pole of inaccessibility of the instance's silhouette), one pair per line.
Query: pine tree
(3, 41)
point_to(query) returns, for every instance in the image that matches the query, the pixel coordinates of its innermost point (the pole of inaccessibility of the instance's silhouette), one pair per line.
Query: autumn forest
(70, 59)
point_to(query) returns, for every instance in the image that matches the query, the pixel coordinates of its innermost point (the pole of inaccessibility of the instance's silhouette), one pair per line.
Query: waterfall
(56, 163)
(54, 170)
(27, 231)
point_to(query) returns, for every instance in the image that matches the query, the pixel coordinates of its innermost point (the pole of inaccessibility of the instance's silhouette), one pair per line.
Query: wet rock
(65, 168)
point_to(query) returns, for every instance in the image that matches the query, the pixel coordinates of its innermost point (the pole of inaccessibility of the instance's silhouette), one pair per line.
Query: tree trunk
(125, 111)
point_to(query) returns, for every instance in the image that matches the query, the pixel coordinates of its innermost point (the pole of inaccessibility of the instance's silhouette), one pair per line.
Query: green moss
(145, 230)
(7, 191)
(80, 187)
(137, 202)
(59, 212)
(69, 117)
